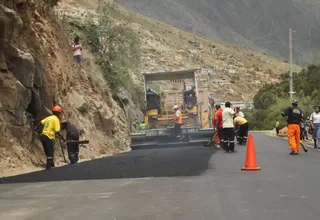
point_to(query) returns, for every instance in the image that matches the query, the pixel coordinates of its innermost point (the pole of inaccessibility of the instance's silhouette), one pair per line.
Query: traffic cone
(251, 161)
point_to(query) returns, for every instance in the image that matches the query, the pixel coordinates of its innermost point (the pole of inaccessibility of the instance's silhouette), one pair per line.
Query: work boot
(50, 164)
(294, 153)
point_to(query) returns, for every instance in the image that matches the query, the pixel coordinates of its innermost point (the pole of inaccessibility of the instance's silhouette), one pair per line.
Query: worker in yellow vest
(177, 117)
(51, 126)
(243, 129)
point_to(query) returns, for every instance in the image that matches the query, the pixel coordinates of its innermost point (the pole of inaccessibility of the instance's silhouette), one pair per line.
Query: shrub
(117, 48)
(272, 99)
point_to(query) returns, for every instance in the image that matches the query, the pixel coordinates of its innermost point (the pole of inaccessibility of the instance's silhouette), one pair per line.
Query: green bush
(117, 48)
(272, 99)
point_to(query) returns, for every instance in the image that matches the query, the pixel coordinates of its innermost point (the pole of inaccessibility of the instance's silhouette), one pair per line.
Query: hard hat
(57, 108)
(175, 107)
(295, 102)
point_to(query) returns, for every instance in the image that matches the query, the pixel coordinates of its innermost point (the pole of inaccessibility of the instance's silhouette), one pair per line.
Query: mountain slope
(254, 23)
(237, 71)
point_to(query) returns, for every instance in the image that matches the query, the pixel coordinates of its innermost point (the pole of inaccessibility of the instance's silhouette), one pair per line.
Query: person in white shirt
(238, 112)
(77, 50)
(228, 134)
(315, 126)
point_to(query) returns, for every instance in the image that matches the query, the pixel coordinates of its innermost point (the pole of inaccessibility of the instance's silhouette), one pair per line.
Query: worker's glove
(282, 114)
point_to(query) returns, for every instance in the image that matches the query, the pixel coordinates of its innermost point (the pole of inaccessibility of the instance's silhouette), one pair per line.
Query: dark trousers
(220, 134)
(228, 139)
(48, 148)
(73, 148)
(243, 133)
(177, 129)
(277, 130)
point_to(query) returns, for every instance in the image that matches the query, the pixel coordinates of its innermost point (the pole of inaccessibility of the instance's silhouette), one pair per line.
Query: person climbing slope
(77, 50)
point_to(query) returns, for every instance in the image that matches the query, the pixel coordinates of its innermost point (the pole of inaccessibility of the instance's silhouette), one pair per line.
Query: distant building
(242, 105)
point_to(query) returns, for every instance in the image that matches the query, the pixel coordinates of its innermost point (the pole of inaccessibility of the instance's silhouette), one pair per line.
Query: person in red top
(218, 122)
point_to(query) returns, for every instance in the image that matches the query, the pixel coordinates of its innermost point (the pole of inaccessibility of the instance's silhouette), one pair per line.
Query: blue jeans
(77, 58)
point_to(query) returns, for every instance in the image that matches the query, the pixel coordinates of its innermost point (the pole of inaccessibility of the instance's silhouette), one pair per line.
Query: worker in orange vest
(177, 117)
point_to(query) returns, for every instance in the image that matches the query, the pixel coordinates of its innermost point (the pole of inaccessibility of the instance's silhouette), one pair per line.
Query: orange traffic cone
(251, 161)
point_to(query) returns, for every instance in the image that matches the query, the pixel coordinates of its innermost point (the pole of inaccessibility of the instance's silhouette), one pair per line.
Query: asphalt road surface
(187, 183)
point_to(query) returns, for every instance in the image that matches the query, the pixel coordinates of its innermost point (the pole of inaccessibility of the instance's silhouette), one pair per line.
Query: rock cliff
(37, 71)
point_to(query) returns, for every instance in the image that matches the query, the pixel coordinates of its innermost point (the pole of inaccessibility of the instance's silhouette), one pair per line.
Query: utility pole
(290, 57)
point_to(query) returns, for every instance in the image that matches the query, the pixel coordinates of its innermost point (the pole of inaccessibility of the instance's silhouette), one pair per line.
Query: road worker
(73, 134)
(218, 124)
(228, 134)
(238, 112)
(294, 117)
(242, 123)
(143, 126)
(177, 117)
(51, 126)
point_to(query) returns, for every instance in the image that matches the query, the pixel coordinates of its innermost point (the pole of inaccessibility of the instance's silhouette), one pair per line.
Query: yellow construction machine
(180, 88)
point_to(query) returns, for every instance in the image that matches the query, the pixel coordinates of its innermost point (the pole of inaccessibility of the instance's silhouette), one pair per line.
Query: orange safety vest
(179, 120)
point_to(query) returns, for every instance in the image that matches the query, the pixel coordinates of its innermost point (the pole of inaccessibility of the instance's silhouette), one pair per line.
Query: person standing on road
(238, 112)
(218, 124)
(294, 117)
(315, 126)
(73, 134)
(308, 125)
(143, 127)
(277, 127)
(243, 129)
(51, 126)
(228, 128)
(302, 130)
(177, 117)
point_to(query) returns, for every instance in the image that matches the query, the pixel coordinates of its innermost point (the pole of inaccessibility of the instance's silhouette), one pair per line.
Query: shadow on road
(169, 162)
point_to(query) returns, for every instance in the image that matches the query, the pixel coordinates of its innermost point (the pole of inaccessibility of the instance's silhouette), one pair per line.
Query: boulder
(10, 25)
(103, 120)
(16, 100)
(78, 101)
(10, 28)
(8, 87)
(23, 67)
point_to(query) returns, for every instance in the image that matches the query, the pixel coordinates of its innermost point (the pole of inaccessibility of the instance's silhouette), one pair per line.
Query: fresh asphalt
(187, 183)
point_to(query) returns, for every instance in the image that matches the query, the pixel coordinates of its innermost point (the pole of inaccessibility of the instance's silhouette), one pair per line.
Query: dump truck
(180, 88)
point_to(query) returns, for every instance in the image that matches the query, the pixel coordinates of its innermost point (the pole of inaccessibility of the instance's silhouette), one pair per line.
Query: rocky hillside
(37, 71)
(235, 72)
(256, 24)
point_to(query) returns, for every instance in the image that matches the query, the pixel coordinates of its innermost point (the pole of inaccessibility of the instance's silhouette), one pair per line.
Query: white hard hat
(174, 107)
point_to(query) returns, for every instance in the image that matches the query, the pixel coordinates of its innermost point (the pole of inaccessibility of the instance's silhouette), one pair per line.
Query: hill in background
(258, 24)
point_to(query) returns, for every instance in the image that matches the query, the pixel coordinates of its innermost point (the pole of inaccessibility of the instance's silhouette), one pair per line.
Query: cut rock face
(23, 67)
